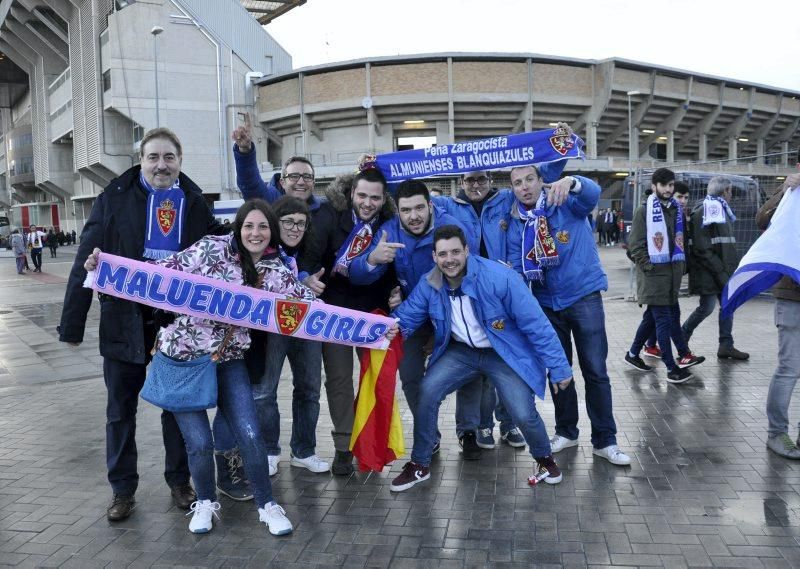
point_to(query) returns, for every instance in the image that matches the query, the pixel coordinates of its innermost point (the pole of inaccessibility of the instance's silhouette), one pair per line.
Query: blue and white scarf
(356, 243)
(289, 261)
(657, 235)
(164, 222)
(538, 246)
(716, 210)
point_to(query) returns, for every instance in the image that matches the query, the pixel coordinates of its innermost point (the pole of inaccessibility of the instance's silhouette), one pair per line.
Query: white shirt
(35, 239)
(464, 326)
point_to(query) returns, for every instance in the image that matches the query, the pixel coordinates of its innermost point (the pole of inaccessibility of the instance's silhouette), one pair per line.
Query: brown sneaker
(183, 496)
(121, 507)
(412, 474)
(546, 471)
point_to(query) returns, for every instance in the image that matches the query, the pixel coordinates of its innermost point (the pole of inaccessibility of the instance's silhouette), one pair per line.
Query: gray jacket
(17, 245)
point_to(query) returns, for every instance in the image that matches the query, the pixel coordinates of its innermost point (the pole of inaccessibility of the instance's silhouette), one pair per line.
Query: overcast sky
(755, 41)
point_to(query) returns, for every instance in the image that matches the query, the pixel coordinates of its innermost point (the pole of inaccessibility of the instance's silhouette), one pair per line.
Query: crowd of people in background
(32, 241)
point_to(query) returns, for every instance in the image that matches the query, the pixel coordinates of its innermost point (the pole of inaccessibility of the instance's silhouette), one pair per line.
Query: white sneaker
(613, 455)
(559, 443)
(312, 463)
(275, 518)
(202, 512)
(273, 461)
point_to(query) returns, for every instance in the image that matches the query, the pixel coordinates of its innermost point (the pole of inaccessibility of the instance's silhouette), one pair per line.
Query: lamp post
(155, 30)
(636, 197)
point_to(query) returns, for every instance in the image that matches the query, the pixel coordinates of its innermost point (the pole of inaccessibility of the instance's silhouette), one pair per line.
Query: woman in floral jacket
(248, 254)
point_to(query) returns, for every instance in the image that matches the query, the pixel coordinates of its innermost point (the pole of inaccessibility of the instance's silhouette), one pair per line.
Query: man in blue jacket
(407, 242)
(551, 244)
(305, 356)
(485, 324)
(483, 211)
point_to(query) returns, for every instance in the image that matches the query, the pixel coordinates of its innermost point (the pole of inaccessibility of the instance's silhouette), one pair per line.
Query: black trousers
(124, 381)
(36, 257)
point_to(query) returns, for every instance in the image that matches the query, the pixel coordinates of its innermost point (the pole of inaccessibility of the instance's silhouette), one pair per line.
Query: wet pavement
(702, 491)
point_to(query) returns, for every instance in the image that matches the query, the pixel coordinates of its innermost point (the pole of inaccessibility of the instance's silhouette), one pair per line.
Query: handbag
(183, 386)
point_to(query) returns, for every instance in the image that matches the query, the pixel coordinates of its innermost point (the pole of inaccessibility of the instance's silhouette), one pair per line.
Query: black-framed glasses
(295, 177)
(481, 181)
(289, 224)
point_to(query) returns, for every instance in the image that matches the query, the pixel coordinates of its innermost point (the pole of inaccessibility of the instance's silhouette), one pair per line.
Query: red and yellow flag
(377, 438)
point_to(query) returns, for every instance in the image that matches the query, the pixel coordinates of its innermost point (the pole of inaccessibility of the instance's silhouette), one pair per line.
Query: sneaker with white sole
(411, 475)
(513, 437)
(547, 471)
(312, 463)
(613, 455)
(485, 438)
(636, 362)
(784, 446)
(202, 512)
(273, 460)
(559, 443)
(275, 518)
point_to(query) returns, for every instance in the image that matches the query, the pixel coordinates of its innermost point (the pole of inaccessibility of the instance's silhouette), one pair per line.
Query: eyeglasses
(481, 181)
(296, 177)
(289, 224)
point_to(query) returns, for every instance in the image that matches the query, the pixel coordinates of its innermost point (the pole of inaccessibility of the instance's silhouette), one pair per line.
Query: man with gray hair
(712, 260)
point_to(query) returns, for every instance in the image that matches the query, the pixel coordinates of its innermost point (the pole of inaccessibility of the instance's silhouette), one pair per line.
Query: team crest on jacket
(289, 315)
(499, 324)
(166, 213)
(563, 237)
(561, 141)
(658, 240)
(360, 242)
(503, 225)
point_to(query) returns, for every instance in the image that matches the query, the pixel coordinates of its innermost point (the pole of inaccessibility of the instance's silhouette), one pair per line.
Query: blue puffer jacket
(579, 271)
(411, 262)
(252, 185)
(494, 218)
(512, 319)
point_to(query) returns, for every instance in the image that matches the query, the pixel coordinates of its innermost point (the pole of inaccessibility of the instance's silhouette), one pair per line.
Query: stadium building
(82, 80)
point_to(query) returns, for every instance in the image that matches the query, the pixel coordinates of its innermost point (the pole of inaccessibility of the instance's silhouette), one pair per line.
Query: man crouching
(486, 323)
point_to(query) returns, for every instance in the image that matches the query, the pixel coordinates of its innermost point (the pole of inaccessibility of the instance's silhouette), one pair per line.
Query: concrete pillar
(635, 142)
(760, 150)
(443, 134)
(785, 152)
(732, 149)
(591, 140)
(670, 146)
(702, 154)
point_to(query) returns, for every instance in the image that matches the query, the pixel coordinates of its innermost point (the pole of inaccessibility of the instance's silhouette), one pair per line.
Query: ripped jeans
(235, 401)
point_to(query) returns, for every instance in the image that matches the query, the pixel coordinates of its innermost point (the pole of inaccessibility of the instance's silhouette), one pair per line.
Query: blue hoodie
(517, 328)
(252, 185)
(411, 262)
(579, 271)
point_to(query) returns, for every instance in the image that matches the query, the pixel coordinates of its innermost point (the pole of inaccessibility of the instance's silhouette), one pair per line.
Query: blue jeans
(667, 323)
(787, 319)
(460, 365)
(469, 398)
(235, 401)
(492, 407)
(305, 360)
(585, 322)
(703, 311)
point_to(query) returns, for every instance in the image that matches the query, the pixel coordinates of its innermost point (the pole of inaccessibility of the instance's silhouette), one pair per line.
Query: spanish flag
(377, 438)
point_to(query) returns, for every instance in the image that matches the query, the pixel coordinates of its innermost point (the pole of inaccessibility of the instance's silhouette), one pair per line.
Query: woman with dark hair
(268, 352)
(248, 256)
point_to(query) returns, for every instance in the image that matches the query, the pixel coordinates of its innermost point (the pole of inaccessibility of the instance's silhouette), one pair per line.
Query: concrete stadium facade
(332, 113)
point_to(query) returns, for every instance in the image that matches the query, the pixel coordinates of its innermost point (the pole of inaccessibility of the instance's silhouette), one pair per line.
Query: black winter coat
(713, 257)
(116, 225)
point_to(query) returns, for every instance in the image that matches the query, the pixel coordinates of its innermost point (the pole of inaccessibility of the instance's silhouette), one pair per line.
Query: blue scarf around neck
(164, 221)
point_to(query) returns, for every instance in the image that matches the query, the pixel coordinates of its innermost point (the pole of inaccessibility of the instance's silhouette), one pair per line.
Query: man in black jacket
(356, 208)
(712, 260)
(118, 225)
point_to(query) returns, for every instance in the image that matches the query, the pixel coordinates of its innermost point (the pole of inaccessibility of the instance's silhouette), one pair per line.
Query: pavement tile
(702, 491)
